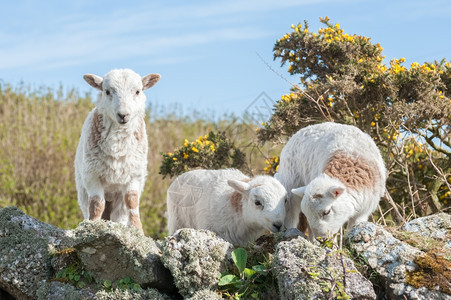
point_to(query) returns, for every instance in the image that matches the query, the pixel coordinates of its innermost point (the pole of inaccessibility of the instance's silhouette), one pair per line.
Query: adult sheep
(238, 208)
(338, 173)
(111, 158)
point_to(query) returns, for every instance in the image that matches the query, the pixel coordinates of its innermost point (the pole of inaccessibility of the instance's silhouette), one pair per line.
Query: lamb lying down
(341, 173)
(238, 208)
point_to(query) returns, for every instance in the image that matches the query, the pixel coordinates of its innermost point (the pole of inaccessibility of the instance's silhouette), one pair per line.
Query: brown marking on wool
(132, 199)
(135, 221)
(355, 172)
(96, 129)
(247, 180)
(140, 133)
(235, 201)
(96, 208)
(106, 215)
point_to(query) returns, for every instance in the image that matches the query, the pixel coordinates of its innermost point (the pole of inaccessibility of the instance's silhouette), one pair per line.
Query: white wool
(111, 158)
(238, 208)
(327, 201)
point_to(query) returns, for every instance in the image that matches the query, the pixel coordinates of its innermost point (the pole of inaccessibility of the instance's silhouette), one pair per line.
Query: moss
(433, 271)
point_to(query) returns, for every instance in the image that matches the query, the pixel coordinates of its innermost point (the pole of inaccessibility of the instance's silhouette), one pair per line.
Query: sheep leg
(132, 203)
(96, 207)
(96, 199)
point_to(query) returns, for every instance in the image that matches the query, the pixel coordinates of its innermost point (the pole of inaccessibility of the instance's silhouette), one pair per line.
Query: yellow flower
(207, 143)
(373, 124)
(263, 123)
(174, 158)
(212, 147)
(186, 143)
(170, 154)
(185, 156)
(195, 149)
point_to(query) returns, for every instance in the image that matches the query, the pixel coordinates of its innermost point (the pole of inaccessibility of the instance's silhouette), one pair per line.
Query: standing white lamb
(238, 208)
(338, 173)
(111, 158)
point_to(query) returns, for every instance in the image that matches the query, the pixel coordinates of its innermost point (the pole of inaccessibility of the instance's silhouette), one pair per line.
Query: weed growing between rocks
(255, 282)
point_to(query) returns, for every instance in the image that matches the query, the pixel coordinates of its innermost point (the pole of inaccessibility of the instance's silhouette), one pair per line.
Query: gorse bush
(407, 110)
(212, 151)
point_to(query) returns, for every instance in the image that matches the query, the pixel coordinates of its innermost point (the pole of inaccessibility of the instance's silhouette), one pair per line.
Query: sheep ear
(150, 80)
(300, 191)
(240, 186)
(94, 81)
(336, 191)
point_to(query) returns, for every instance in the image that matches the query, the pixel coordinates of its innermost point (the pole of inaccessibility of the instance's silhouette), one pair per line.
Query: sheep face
(326, 204)
(263, 202)
(122, 99)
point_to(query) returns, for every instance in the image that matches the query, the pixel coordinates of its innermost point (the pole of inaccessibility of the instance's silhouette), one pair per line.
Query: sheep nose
(277, 225)
(123, 118)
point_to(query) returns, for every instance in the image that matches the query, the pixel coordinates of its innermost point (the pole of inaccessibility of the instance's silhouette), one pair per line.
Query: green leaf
(239, 257)
(81, 284)
(136, 287)
(248, 273)
(126, 279)
(227, 279)
(107, 283)
(259, 268)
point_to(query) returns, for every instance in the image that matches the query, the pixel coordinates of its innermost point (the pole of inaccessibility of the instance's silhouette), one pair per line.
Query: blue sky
(206, 51)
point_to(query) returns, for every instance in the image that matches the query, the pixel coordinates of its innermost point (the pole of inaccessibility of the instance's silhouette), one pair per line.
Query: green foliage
(407, 111)
(125, 283)
(76, 274)
(212, 151)
(247, 282)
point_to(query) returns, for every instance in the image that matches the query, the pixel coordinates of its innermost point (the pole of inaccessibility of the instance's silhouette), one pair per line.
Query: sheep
(111, 158)
(237, 208)
(334, 174)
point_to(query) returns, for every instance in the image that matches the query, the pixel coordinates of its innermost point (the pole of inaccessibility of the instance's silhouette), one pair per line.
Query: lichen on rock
(195, 258)
(395, 261)
(306, 271)
(26, 246)
(111, 251)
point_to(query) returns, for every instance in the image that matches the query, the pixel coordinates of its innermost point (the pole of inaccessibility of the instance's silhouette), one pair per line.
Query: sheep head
(326, 204)
(263, 202)
(121, 96)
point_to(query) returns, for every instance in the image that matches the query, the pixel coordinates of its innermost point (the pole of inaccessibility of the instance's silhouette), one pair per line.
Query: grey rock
(392, 259)
(293, 232)
(55, 290)
(112, 251)
(304, 271)
(26, 246)
(145, 294)
(204, 295)
(195, 258)
(436, 226)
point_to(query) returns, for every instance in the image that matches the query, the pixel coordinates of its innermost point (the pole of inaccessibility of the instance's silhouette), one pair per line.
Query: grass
(39, 133)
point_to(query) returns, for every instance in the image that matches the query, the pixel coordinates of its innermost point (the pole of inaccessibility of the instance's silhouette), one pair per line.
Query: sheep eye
(258, 203)
(325, 213)
(107, 92)
(137, 92)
